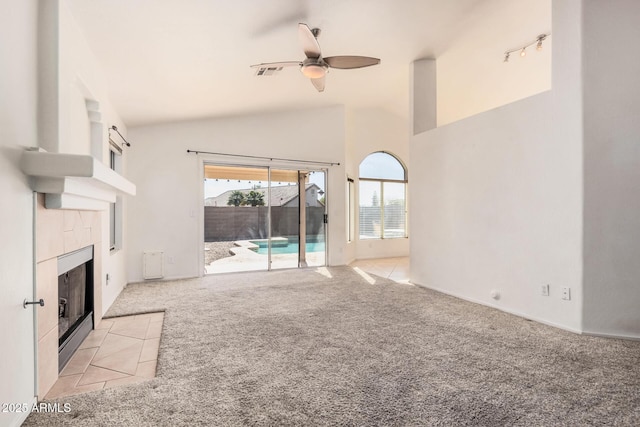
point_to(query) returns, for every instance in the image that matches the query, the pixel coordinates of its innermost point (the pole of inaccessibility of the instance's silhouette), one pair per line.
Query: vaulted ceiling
(168, 60)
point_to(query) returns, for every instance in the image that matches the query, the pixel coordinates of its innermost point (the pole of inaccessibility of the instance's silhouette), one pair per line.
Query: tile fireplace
(69, 251)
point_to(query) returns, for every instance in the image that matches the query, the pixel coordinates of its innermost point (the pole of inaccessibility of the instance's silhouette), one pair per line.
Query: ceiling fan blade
(278, 64)
(308, 41)
(347, 62)
(319, 83)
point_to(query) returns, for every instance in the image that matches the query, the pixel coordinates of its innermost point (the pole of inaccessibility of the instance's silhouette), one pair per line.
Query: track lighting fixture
(523, 50)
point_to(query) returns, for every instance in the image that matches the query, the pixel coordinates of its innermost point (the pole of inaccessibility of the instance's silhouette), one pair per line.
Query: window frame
(381, 182)
(351, 215)
(115, 209)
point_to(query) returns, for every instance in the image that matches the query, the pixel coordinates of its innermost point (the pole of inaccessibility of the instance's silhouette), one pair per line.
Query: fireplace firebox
(75, 301)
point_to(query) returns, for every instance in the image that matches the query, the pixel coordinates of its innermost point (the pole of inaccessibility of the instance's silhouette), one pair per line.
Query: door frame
(269, 166)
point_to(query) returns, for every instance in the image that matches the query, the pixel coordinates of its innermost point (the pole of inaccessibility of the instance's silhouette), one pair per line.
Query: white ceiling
(168, 60)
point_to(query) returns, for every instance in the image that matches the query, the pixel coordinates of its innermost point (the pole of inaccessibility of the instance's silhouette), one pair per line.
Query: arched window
(383, 195)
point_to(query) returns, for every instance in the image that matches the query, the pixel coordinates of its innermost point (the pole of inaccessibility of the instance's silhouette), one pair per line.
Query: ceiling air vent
(267, 71)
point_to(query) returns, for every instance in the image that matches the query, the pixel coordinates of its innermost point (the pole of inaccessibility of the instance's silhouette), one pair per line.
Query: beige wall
(472, 76)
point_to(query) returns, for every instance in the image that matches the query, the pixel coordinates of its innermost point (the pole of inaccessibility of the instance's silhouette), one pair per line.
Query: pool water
(291, 248)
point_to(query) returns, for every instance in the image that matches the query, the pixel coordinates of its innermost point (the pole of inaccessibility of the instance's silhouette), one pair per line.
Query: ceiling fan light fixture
(314, 71)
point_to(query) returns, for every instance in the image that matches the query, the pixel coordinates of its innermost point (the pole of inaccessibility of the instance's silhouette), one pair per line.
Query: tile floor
(121, 350)
(396, 269)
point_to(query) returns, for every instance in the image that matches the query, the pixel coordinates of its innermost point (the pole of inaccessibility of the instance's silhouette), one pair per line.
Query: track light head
(523, 50)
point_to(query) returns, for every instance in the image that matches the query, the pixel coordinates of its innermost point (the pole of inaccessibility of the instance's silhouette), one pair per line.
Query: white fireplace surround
(74, 181)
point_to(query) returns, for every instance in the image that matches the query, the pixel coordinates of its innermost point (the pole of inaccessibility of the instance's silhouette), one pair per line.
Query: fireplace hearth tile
(154, 330)
(137, 328)
(95, 374)
(104, 324)
(106, 359)
(79, 362)
(94, 339)
(68, 386)
(150, 349)
(119, 353)
(147, 369)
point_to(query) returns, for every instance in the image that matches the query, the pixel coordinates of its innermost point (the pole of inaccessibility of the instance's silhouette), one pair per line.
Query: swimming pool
(290, 248)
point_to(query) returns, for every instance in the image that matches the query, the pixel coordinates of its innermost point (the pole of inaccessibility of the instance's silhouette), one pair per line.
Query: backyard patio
(242, 255)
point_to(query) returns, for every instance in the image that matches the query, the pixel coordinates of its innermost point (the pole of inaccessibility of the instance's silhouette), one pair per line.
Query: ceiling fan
(314, 66)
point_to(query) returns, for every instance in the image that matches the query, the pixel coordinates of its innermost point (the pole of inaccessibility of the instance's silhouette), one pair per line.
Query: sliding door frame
(269, 167)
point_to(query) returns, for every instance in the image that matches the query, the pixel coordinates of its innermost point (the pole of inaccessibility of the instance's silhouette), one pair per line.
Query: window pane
(381, 166)
(113, 229)
(370, 210)
(394, 210)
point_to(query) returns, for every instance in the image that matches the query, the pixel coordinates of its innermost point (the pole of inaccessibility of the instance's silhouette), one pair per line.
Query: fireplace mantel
(74, 181)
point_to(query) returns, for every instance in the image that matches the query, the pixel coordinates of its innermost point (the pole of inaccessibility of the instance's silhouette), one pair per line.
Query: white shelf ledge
(74, 181)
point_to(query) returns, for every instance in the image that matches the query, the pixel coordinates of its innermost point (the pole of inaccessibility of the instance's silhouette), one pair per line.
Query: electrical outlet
(170, 260)
(544, 289)
(566, 293)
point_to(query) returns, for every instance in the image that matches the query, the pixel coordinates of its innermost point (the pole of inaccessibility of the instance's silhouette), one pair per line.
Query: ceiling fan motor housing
(314, 68)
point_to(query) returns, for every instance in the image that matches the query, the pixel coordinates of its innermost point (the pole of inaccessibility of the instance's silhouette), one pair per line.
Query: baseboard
(503, 309)
(612, 336)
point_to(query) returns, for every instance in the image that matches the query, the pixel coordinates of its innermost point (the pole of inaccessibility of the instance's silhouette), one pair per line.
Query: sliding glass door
(285, 218)
(236, 218)
(313, 252)
(259, 218)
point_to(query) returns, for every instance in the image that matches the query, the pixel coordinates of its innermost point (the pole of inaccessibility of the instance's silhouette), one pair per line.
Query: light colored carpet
(298, 348)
